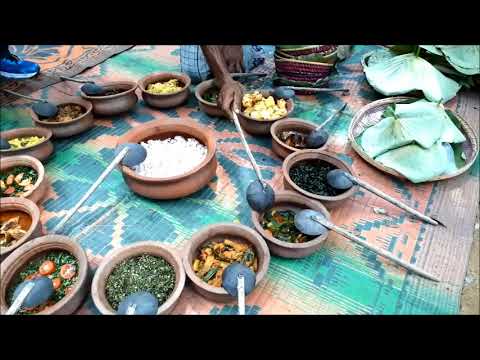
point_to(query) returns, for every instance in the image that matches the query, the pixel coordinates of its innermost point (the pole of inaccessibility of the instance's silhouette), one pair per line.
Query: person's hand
(230, 96)
(233, 56)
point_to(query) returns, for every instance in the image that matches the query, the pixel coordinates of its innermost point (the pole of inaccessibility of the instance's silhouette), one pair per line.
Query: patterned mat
(341, 278)
(55, 61)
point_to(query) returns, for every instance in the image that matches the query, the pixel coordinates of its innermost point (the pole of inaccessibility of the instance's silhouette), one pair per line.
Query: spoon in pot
(239, 281)
(260, 195)
(342, 180)
(139, 303)
(319, 137)
(42, 108)
(89, 87)
(31, 293)
(288, 92)
(314, 223)
(128, 154)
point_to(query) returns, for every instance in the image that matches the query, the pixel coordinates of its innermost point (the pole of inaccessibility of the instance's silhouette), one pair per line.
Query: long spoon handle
(97, 183)
(17, 304)
(318, 90)
(382, 252)
(22, 96)
(247, 148)
(338, 111)
(248, 75)
(75, 80)
(391, 199)
(241, 294)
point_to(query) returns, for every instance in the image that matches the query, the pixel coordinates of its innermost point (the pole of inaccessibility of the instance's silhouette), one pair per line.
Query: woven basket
(308, 50)
(330, 58)
(371, 114)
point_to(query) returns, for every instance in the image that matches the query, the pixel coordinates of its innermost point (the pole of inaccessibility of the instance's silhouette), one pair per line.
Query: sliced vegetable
(47, 267)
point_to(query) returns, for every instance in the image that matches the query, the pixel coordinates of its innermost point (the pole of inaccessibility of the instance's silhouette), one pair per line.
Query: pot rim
(40, 131)
(86, 104)
(269, 92)
(49, 243)
(292, 121)
(107, 260)
(261, 273)
(174, 75)
(27, 206)
(133, 85)
(291, 159)
(38, 167)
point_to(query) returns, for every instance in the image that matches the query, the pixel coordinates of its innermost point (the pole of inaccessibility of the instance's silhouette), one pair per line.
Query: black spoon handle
(75, 80)
(22, 96)
(317, 90)
(18, 302)
(247, 75)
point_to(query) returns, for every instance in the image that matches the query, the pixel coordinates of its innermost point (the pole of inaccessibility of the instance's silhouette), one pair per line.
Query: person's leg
(193, 63)
(11, 67)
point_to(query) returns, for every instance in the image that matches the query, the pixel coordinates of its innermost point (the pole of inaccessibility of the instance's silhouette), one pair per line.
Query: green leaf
(405, 73)
(432, 49)
(464, 58)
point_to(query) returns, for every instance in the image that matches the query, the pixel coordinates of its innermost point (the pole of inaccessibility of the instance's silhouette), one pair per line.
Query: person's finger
(227, 101)
(237, 101)
(238, 67)
(231, 67)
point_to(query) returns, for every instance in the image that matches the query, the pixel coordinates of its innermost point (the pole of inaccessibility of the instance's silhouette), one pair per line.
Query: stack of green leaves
(438, 71)
(419, 140)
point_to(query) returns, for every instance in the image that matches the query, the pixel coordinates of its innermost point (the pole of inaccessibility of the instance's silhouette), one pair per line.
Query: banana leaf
(418, 164)
(463, 58)
(432, 49)
(405, 73)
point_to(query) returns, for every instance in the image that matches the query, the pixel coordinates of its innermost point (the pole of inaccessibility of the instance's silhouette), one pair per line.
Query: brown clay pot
(207, 107)
(218, 233)
(278, 146)
(114, 104)
(40, 188)
(176, 186)
(40, 151)
(262, 127)
(329, 201)
(118, 255)
(163, 101)
(28, 207)
(31, 250)
(288, 200)
(76, 126)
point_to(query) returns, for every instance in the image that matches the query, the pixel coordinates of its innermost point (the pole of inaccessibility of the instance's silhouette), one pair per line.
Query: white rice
(171, 157)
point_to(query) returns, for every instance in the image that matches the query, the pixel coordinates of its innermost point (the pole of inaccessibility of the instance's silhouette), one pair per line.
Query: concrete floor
(470, 304)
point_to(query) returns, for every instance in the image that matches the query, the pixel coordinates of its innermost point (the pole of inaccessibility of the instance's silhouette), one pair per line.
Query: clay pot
(176, 186)
(38, 191)
(163, 101)
(278, 146)
(28, 207)
(118, 255)
(262, 127)
(207, 107)
(330, 202)
(218, 233)
(69, 128)
(288, 200)
(41, 151)
(31, 250)
(114, 104)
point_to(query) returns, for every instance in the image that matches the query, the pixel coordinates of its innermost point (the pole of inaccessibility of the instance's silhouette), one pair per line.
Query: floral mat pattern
(341, 278)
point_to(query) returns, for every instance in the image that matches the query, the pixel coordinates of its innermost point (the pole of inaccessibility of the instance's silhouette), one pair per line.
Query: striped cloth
(193, 62)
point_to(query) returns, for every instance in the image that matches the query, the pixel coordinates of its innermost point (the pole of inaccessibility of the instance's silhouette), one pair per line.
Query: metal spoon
(260, 195)
(31, 293)
(288, 92)
(42, 108)
(319, 137)
(313, 223)
(4, 144)
(139, 303)
(239, 281)
(128, 154)
(342, 180)
(90, 88)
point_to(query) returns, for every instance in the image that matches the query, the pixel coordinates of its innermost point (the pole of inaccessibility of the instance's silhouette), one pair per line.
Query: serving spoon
(238, 280)
(318, 137)
(314, 223)
(138, 303)
(342, 180)
(31, 293)
(89, 87)
(42, 108)
(288, 92)
(260, 195)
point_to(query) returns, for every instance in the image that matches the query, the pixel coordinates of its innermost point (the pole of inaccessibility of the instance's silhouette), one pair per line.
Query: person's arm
(230, 90)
